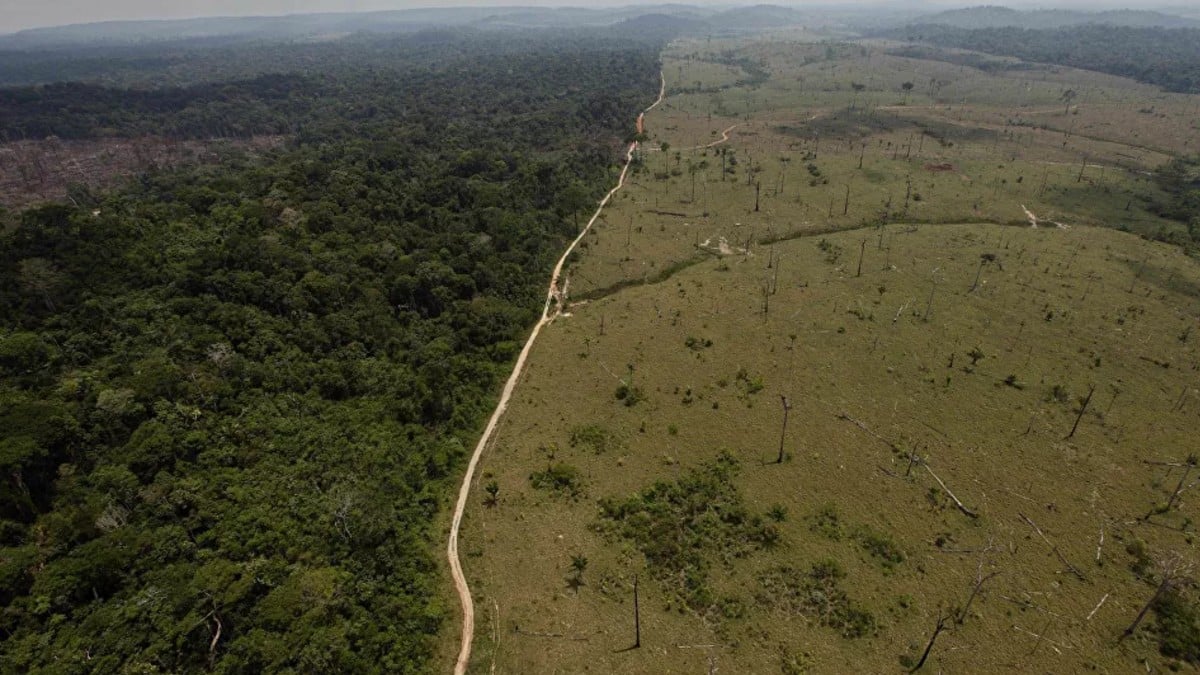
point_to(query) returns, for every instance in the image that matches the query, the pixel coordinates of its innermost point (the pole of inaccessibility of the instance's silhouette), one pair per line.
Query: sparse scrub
(683, 527)
(817, 596)
(880, 547)
(559, 478)
(593, 438)
(827, 523)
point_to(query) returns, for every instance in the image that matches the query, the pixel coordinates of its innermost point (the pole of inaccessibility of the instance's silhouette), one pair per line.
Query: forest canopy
(231, 397)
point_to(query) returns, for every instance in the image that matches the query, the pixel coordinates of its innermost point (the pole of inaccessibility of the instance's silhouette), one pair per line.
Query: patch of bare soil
(45, 170)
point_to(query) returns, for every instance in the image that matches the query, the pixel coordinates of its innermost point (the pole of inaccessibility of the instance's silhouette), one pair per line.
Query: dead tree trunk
(1162, 588)
(783, 433)
(861, 250)
(979, 582)
(1191, 464)
(1082, 409)
(637, 616)
(978, 273)
(941, 625)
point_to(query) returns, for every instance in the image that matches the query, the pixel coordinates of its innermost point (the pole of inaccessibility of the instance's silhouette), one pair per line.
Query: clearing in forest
(891, 408)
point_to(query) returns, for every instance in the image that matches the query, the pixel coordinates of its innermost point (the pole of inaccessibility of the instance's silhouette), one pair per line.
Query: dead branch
(1097, 607)
(700, 646)
(1061, 557)
(961, 507)
(980, 580)
(1030, 605)
(863, 425)
(1040, 638)
(529, 633)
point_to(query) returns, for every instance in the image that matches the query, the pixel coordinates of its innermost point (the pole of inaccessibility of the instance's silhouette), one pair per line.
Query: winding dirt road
(460, 581)
(724, 138)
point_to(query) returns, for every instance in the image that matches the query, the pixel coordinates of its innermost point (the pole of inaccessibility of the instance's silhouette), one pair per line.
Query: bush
(827, 523)
(1178, 627)
(628, 395)
(560, 478)
(880, 547)
(681, 526)
(817, 595)
(592, 437)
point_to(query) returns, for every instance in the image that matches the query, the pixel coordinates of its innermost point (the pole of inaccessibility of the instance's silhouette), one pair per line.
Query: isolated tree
(637, 616)
(857, 88)
(941, 626)
(493, 492)
(579, 563)
(1083, 406)
(906, 87)
(984, 259)
(787, 406)
(1068, 96)
(1173, 571)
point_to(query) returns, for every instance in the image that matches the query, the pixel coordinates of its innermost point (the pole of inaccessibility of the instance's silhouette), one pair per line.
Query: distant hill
(640, 19)
(757, 17)
(308, 26)
(1167, 57)
(659, 26)
(992, 16)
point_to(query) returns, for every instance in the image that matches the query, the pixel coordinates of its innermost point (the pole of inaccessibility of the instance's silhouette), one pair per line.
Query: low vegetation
(685, 526)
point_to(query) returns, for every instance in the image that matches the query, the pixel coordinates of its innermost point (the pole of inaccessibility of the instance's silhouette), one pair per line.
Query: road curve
(724, 137)
(460, 581)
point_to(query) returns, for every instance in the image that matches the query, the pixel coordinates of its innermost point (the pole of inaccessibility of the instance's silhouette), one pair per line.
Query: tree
(857, 87)
(1173, 570)
(907, 87)
(984, 259)
(576, 197)
(1068, 96)
(783, 432)
(42, 278)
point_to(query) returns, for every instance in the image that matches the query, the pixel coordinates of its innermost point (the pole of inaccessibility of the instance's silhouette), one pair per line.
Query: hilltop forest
(232, 397)
(1167, 57)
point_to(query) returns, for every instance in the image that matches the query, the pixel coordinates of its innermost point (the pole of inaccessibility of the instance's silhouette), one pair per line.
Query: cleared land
(935, 355)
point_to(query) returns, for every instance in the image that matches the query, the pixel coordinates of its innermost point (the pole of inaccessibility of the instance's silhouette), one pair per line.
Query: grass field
(935, 352)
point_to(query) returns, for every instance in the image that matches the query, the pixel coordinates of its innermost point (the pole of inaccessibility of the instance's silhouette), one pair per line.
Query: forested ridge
(1169, 58)
(231, 397)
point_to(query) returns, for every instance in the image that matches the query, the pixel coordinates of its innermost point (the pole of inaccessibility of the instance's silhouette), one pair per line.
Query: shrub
(1178, 627)
(816, 595)
(881, 547)
(592, 437)
(560, 478)
(628, 395)
(827, 523)
(681, 526)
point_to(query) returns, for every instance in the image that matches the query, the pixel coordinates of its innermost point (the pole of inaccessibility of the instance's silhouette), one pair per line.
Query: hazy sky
(18, 14)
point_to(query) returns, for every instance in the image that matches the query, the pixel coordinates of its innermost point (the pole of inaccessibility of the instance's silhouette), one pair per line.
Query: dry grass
(875, 371)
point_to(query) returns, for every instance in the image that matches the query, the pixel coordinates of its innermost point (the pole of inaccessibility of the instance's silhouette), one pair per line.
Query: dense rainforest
(1168, 58)
(232, 397)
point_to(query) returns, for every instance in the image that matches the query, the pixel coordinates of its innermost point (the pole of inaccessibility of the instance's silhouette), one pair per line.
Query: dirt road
(724, 137)
(464, 492)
